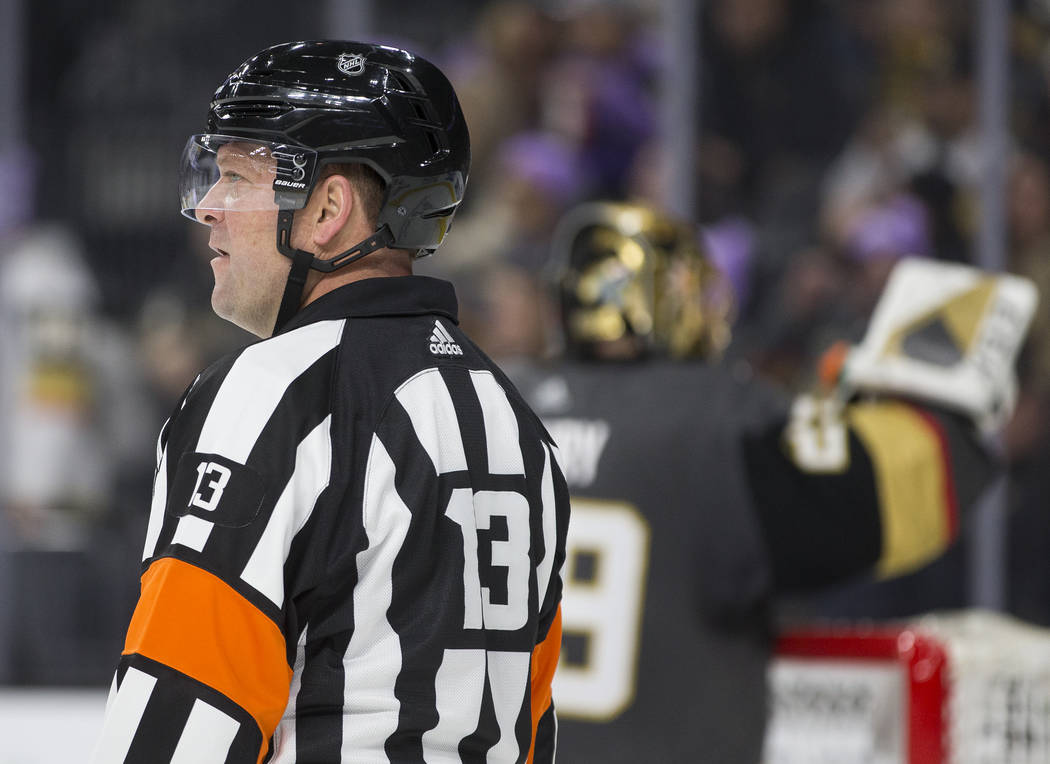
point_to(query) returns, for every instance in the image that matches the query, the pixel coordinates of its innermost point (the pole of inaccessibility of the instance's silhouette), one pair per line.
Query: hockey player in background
(697, 498)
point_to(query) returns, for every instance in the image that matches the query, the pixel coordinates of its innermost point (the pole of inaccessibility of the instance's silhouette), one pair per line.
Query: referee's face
(249, 271)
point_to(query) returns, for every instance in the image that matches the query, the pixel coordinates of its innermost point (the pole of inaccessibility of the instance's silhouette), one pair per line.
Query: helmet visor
(232, 174)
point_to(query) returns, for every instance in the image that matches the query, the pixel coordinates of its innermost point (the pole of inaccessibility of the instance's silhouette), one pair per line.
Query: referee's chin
(259, 322)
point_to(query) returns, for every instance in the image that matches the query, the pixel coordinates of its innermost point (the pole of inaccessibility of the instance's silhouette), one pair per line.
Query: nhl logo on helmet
(351, 63)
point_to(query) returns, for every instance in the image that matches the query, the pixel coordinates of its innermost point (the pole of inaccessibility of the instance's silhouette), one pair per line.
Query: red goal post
(959, 688)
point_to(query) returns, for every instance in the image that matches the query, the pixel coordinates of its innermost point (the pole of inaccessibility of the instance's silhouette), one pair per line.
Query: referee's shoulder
(268, 369)
(211, 376)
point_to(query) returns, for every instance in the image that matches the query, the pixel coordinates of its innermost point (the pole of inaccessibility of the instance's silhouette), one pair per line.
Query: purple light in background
(17, 187)
(897, 228)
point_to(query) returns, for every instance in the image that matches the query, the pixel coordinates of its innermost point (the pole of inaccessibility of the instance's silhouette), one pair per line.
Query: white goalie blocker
(946, 334)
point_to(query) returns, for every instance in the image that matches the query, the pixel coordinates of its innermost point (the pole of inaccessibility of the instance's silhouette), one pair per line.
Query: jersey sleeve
(205, 670)
(202, 678)
(544, 722)
(874, 486)
(545, 655)
(204, 673)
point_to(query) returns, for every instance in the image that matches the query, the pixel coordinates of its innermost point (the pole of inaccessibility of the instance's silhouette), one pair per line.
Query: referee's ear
(333, 204)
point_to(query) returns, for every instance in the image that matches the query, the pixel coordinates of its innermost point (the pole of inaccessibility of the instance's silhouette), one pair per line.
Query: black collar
(390, 296)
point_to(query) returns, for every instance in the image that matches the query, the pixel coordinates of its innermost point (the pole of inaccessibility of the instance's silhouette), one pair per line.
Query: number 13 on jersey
(606, 562)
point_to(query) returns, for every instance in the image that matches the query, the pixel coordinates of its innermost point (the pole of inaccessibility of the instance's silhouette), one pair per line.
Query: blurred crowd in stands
(835, 137)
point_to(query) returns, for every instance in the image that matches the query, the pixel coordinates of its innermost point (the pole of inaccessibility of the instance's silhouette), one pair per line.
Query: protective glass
(231, 174)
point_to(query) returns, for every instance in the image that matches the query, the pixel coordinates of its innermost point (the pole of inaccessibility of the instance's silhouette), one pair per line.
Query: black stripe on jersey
(471, 423)
(319, 704)
(161, 725)
(528, 421)
(221, 366)
(474, 748)
(523, 726)
(303, 596)
(424, 625)
(320, 699)
(122, 669)
(169, 708)
(337, 516)
(535, 455)
(546, 738)
(314, 580)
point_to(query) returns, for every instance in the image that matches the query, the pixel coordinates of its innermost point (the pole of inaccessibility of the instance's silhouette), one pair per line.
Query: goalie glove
(948, 335)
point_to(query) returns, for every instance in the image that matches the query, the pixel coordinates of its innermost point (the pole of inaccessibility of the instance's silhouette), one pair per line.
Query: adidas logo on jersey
(441, 342)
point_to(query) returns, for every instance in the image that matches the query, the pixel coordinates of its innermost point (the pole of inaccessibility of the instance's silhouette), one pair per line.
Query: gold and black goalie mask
(634, 281)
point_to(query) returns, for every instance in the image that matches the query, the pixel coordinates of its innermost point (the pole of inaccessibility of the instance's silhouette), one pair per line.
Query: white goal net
(959, 688)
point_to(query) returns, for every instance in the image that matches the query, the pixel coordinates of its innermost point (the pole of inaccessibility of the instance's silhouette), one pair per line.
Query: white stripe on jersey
(429, 405)
(160, 441)
(373, 658)
(123, 715)
(554, 753)
(193, 532)
(550, 527)
(508, 675)
(460, 686)
(112, 693)
(156, 510)
(313, 467)
(207, 736)
(247, 398)
(255, 385)
(501, 426)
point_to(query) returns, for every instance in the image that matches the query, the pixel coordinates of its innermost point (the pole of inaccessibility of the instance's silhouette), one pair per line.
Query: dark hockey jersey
(696, 497)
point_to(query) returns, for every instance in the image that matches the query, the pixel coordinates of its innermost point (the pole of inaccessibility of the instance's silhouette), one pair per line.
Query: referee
(357, 524)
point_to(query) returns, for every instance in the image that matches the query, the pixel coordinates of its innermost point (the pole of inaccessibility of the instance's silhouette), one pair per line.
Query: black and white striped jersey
(353, 553)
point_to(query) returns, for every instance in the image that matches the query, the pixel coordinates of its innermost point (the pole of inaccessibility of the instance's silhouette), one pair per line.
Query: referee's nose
(208, 211)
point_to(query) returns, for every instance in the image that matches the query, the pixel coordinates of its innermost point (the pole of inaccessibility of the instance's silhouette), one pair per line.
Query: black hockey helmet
(628, 271)
(309, 104)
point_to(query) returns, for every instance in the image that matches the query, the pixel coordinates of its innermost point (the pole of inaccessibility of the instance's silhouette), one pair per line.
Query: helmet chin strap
(303, 262)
